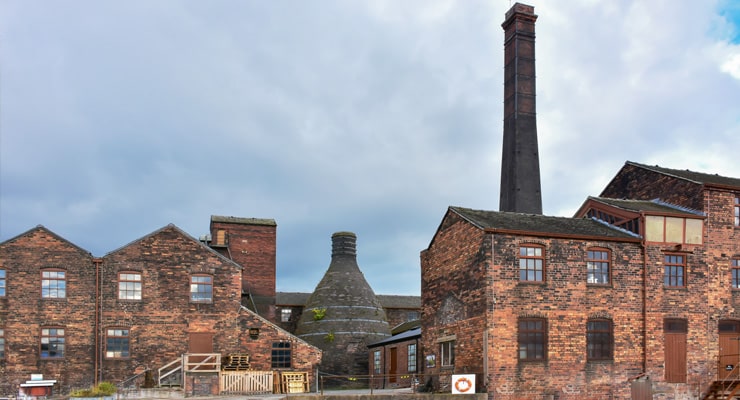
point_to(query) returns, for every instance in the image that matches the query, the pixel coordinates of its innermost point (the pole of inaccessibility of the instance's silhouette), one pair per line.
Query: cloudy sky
(120, 117)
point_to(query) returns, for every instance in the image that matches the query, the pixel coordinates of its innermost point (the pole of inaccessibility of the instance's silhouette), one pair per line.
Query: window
(531, 264)
(2, 344)
(597, 266)
(412, 358)
(675, 268)
(735, 265)
(599, 338)
(285, 314)
(674, 230)
(376, 361)
(117, 343)
(447, 353)
(737, 210)
(129, 286)
(280, 355)
(52, 343)
(532, 339)
(53, 284)
(201, 288)
(412, 316)
(3, 283)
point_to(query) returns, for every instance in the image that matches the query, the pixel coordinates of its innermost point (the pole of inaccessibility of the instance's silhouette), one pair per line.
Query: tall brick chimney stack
(520, 165)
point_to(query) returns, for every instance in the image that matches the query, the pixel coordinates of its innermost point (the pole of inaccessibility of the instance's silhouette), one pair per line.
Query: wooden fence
(246, 382)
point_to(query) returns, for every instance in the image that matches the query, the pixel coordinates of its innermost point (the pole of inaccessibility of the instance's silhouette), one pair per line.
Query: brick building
(642, 282)
(78, 319)
(394, 361)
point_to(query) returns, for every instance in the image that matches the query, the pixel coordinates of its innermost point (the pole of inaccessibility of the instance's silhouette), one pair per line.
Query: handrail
(211, 362)
(162, 375)
(124, 383)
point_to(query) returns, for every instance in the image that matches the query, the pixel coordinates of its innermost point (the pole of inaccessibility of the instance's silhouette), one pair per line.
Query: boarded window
(694, 231)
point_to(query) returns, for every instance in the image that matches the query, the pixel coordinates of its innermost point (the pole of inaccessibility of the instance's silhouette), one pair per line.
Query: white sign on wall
(463, 384)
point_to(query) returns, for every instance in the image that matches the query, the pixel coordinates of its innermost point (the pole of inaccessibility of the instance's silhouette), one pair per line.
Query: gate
(246, 382)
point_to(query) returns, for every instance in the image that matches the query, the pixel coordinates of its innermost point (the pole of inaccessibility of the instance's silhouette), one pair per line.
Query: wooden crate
(294, 382)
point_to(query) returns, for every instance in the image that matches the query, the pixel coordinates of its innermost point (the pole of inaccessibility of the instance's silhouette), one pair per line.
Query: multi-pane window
(117, 343)
(447, 353)
(281, 355)
(53, 284)
(597, 266)
(376, 361)
(201, 288)
(737, 210)
(412, 358)
(129, 286)
(2, 343)
(52, 343)
(3, 282)
(600, 339)
(531, 264)
(735, 264)
(285, 314)
(675, 268)
(532, 339)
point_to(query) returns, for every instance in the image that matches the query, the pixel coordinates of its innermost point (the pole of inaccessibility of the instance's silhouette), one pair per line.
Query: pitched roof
(184, 234)
(50, 232)
(539, 224)
(410, 334)
(698, 177)
(646, 206)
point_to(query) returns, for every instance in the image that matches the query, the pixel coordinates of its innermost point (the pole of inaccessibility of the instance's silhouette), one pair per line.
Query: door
(394, 365)
(200, 343)
(729, 349)
(675, 331)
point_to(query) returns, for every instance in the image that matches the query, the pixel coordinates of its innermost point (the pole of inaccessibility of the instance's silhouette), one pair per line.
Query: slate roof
(410, 334)
(387, 301)
(698, 177)
(646, 206)
(540, 224)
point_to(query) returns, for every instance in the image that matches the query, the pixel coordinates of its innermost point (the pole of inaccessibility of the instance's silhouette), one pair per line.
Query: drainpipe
(97, 369)
(644, 293)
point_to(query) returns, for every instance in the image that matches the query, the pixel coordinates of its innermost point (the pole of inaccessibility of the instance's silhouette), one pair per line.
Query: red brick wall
(401, 377)
(632, 182)
(23, 312)
(454, 295)
(253, 246)
(161, 323)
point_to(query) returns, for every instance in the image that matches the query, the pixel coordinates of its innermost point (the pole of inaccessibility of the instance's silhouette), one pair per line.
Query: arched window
(600, 339)
(532, 338)
(598, 266)
(531, 263)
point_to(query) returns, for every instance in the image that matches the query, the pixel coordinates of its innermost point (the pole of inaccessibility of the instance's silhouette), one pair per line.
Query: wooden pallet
(236, 362)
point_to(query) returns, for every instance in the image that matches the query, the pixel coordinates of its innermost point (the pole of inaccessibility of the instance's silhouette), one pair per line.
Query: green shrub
(101, 390)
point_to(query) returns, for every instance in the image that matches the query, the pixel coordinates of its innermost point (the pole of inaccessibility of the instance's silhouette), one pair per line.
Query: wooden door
(675, 331)
(729, 349)
(200, 343)
(394, 365)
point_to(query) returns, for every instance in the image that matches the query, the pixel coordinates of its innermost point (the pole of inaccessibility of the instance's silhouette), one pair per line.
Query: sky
(120, 117)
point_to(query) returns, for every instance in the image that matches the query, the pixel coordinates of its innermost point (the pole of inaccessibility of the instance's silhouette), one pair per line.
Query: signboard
(463, 384)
